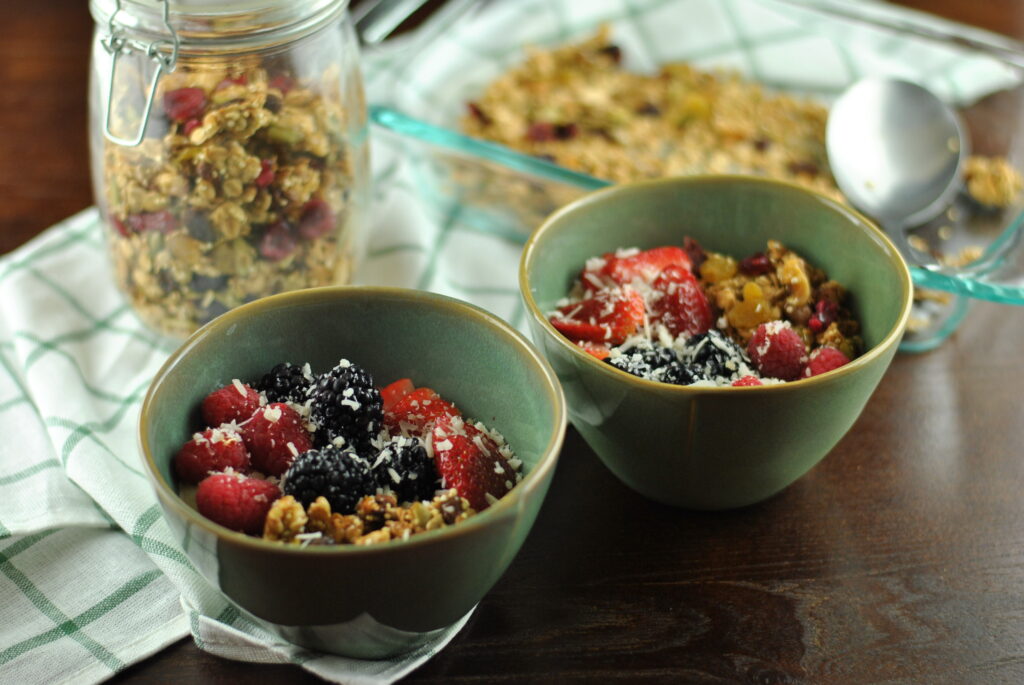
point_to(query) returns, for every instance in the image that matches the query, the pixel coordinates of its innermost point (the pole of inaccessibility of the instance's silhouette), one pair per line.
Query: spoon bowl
(896, 151)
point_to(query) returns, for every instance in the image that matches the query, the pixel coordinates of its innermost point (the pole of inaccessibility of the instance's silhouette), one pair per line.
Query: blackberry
(404, 466)
(345, 404)
(285, 383)
(655, 363)
(332, 472)
(714, 356)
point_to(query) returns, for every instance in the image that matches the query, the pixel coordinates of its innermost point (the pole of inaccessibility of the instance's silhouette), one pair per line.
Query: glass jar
(229, 151)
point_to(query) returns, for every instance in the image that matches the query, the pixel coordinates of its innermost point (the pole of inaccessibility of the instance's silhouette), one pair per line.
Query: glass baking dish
(806, 48)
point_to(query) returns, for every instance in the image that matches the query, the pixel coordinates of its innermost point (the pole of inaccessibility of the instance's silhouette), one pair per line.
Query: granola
(377, 518)
(575, 105)
(247, 184)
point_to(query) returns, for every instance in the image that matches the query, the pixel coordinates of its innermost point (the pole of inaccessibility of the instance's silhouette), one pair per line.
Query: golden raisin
(753, 310)
(717, 268)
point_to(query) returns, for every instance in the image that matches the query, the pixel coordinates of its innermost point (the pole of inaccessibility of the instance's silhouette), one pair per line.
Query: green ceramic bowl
(384, 599)
(715, 448)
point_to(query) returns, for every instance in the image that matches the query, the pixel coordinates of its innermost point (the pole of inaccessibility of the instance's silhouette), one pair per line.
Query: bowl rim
(508, 505)
(891, 338)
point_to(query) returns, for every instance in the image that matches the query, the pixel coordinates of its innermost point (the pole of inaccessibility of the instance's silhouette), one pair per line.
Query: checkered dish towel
(91, 579)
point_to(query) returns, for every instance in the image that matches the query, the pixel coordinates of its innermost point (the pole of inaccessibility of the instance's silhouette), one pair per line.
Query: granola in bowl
(248, 183)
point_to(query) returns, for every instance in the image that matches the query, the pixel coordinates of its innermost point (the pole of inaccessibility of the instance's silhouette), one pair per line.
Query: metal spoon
(896, 152)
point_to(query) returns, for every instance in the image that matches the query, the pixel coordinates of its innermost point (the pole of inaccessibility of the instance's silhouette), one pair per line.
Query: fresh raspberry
(184, 103)
(645, 265)
(235, 501)
(777, 351)
(824, 359)
(212, 450)
(682, 306)
(317, 220)
(275, 436)
(746, 382)
(415, 411)
(610, 316)
(470, 461)
(232, 403)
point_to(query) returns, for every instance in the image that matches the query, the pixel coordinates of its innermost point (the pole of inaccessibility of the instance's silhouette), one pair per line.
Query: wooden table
(898, 558)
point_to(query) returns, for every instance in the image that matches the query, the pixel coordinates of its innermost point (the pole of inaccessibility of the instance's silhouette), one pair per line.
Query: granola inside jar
(229, 151)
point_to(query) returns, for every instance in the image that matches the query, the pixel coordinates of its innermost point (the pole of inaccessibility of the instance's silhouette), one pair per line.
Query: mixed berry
(331, 458)
(686, 316)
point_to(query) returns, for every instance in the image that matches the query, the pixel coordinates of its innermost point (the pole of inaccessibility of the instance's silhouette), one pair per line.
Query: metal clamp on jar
(229, 151)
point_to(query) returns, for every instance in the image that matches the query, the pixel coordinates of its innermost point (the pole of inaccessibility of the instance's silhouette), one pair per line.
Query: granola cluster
(377, 518)
(245, 186)
(779, 284)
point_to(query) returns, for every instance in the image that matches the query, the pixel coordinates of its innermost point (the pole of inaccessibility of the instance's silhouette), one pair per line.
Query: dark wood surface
(900, 558)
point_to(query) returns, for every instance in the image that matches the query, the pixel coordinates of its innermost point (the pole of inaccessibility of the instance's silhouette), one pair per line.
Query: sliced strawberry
(414, 412)
(595, 350)
(645, 265)
(609, 317)
(470, 461)
(393, 392)
(682, 306)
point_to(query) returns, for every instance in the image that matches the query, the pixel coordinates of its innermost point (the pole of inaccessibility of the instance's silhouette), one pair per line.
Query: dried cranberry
(272, 103)
(541, 131)
(478, 114)
(317, 220)
(162, 221)
(756, 264)
(119, 226)
(239, 80)
(278, 242)
(806, 168)
(266, 176)
(566, 131)
(695, 252)
(184, 103)
(648, 109)
(189, 126)
(612, 51)
(282, 82)
(825, 312)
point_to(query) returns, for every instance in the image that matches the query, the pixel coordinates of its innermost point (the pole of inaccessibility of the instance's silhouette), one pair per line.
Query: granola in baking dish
(246, 191)
(576, 105)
